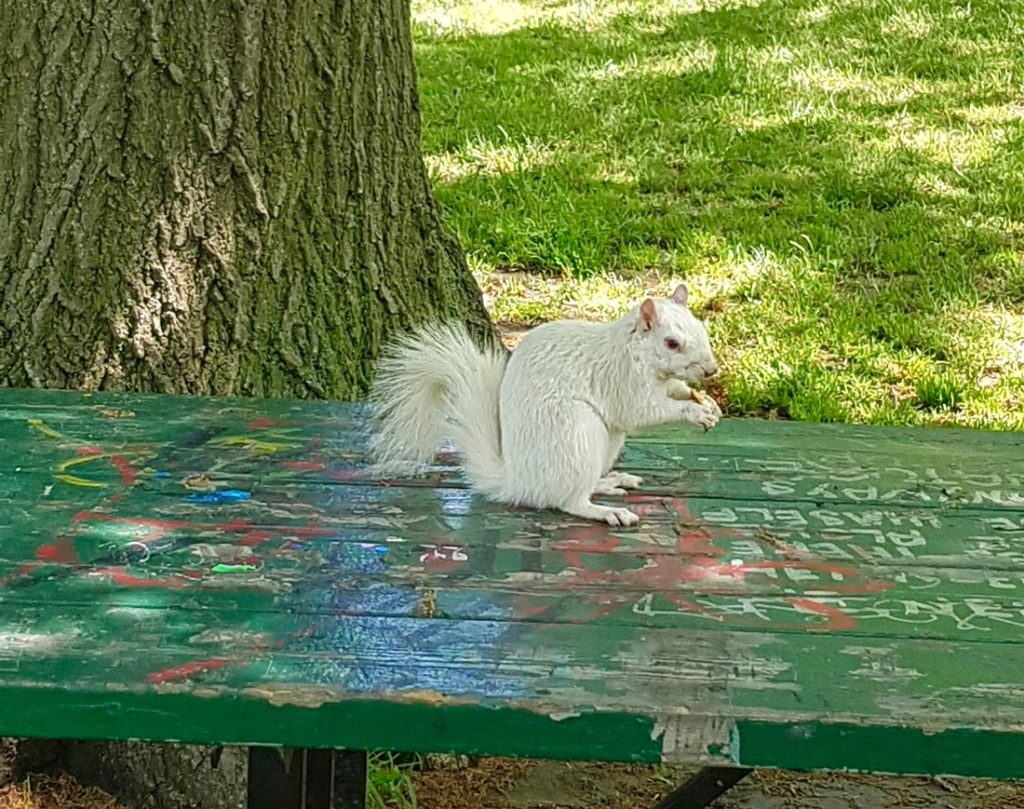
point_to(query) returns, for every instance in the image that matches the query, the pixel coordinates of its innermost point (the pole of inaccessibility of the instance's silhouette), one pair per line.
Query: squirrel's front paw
(707, 420)
(705, 415)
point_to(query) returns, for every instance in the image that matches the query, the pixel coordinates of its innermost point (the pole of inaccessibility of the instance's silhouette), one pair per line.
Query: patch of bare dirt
(7, 753)
(46, 791)
(499, 783)
(49, 792)
(521, 784)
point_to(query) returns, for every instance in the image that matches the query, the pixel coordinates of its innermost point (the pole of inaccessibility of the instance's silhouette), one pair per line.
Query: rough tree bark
(214, 196)
(218, 197)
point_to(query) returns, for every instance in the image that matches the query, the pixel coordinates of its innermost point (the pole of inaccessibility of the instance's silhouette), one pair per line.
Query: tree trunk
(214, 196)
(145, 776)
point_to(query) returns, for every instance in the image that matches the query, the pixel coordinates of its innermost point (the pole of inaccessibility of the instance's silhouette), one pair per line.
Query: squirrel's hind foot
(623, 479)
(608, 514)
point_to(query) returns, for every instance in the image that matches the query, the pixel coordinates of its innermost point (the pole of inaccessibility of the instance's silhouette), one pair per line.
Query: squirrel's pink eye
(672, 345)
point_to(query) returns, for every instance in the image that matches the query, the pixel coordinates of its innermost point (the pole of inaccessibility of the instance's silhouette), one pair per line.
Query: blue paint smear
(361, 557)
(362, 641)
(394, 639)
(359, 631)
(456, 501)
(226, 496)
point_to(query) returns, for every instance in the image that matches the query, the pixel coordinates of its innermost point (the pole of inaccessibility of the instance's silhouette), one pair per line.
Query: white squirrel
(543, 427)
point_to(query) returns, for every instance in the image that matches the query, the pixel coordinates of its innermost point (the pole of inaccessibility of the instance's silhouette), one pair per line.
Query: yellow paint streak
(40, 426)
(263, 447)
(85, 483)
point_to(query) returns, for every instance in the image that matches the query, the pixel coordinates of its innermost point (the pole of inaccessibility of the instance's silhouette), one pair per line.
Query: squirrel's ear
(680, 295)
(648, 316)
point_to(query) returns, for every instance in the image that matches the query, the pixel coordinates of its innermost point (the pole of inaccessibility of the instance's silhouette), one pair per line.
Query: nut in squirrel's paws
(709, 412)
(698, 396)
(677, 389)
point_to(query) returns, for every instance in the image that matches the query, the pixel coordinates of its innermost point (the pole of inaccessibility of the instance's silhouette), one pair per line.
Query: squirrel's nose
(710, 370)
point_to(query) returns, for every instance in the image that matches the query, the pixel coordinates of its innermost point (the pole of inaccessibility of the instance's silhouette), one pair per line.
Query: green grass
(841, 183)
(389, 783)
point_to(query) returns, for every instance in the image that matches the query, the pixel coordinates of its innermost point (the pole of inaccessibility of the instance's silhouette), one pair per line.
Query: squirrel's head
(675, 341)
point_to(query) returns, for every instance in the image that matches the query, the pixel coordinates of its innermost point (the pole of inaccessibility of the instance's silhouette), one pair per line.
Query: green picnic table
(224, 571)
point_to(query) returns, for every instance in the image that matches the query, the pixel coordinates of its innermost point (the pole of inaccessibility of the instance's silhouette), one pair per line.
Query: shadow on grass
(843, 185)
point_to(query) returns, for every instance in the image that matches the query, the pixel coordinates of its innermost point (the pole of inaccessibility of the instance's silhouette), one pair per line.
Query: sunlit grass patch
(840, 182)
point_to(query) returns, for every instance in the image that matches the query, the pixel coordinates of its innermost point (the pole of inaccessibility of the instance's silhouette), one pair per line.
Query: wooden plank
(410, 528)
(557, 669)
(884, 616)
(672, 697)
(749, 459)
(971, 477)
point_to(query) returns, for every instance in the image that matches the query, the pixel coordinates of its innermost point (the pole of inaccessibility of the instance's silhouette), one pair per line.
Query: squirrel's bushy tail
(432, 384)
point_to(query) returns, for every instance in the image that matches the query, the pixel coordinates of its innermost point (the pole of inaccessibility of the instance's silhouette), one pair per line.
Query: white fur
(435, 383)
(544, 427)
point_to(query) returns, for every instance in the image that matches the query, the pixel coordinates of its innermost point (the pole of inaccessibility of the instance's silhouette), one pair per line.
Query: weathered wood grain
(225, 571)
